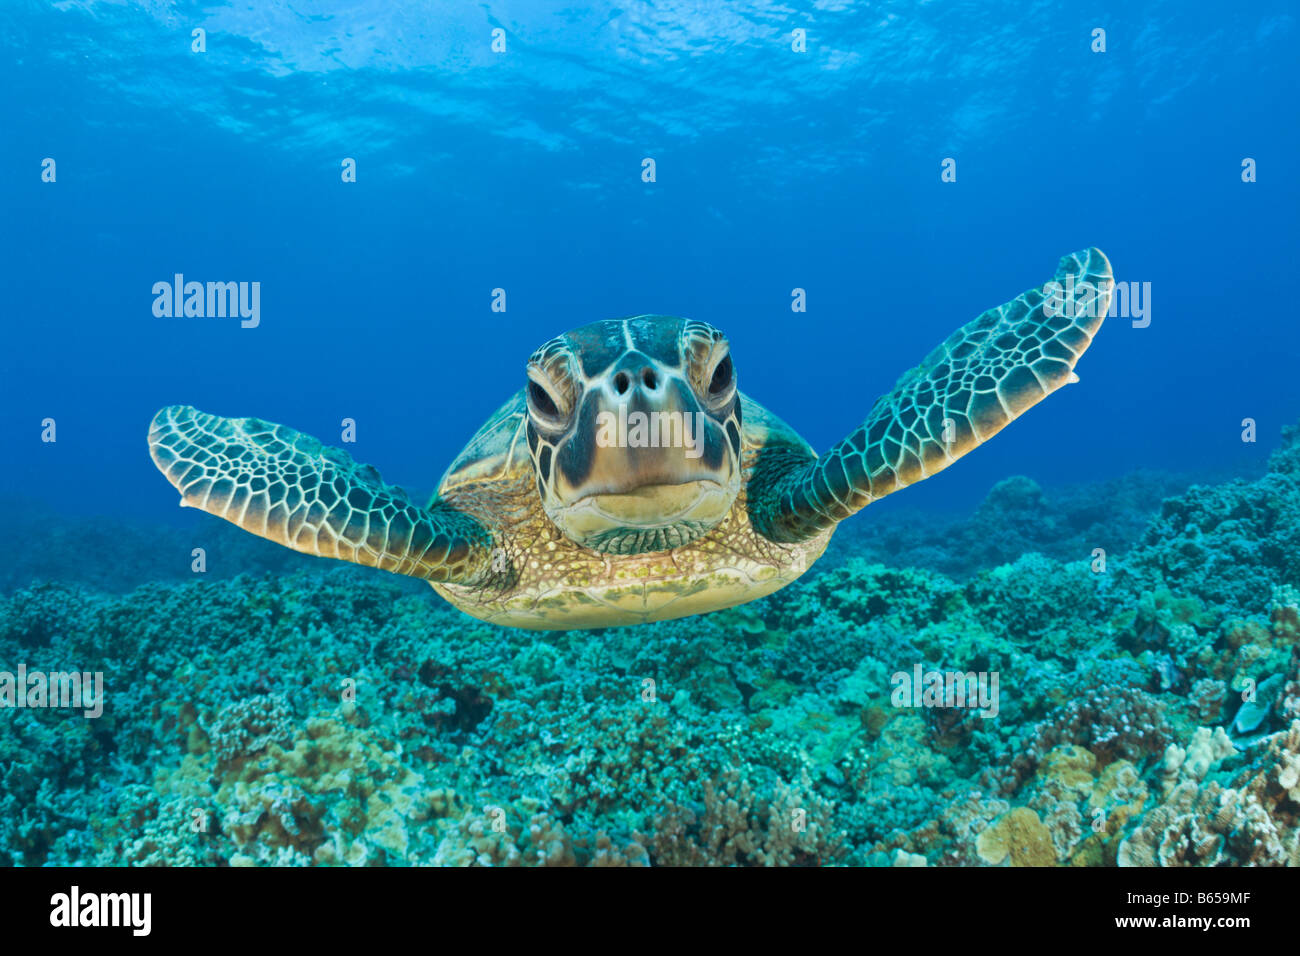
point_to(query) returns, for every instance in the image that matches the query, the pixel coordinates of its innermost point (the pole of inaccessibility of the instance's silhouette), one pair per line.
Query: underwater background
(1149, 711)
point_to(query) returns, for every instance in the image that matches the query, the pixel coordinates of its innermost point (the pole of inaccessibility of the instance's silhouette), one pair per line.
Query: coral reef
(737, 825)
(1146, 710)
(1252, 821)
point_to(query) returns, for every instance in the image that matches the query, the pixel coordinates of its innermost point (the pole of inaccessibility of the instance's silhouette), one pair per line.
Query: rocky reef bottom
(1141, 707)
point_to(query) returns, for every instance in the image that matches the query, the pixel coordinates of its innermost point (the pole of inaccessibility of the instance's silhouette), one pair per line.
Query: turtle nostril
(648, 376)
(622, 382)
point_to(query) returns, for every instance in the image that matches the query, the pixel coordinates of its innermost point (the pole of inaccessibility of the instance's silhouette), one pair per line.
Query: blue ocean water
(795, 146)
(523, 171)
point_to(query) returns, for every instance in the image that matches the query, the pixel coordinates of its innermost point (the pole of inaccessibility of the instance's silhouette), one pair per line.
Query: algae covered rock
(1018, 838)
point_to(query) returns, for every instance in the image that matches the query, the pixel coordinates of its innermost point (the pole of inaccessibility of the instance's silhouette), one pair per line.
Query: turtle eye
(543, 405)
(722, 376)
(542, 400)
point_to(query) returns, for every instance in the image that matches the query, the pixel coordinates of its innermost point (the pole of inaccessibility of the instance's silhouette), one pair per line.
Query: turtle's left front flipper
(985, 375)
(290, 488)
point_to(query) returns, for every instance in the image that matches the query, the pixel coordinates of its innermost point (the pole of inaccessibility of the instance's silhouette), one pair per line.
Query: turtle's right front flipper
(288, 487)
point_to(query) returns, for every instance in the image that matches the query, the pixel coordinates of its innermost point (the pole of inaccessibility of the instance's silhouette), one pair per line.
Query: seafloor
(1121, 737)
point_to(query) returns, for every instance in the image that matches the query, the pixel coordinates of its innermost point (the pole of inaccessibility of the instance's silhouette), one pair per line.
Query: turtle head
(634, 431)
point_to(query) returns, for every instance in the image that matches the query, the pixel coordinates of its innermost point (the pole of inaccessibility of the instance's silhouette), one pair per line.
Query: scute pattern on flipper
(280, 484)
(980, 379)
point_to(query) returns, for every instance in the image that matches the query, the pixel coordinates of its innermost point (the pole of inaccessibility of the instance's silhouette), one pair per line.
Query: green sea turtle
(629, 480)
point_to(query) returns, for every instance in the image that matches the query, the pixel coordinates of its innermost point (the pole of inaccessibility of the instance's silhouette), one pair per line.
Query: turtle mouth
(648, 505)
(648, 518)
